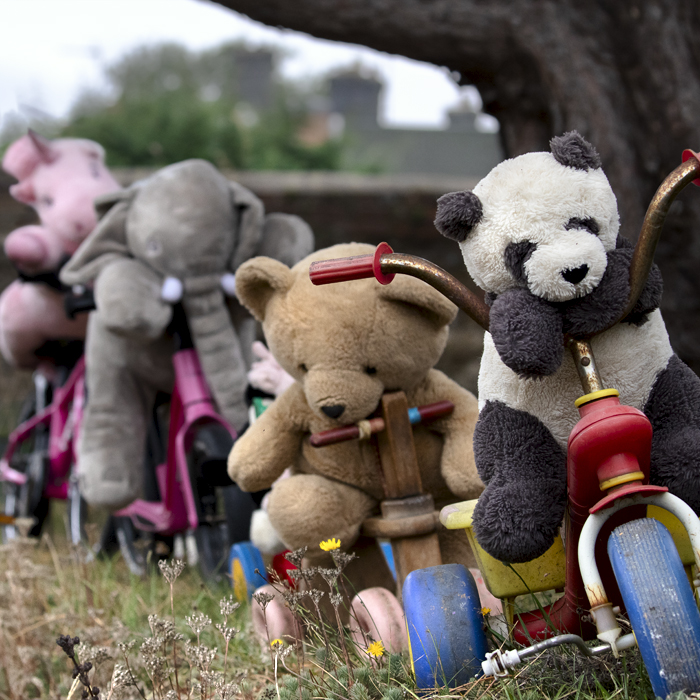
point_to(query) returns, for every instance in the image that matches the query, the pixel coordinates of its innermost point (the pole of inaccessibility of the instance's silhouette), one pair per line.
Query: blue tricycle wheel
(660, 604)
(243, 560)
(445, 626)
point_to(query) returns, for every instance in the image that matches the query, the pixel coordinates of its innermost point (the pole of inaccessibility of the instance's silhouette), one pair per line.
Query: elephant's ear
(422, 297)
(249, 213)
(106, 242)
(286, 238)
(258, 280)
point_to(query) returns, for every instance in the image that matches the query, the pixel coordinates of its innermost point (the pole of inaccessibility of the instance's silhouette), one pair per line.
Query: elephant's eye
(153, 247)
(370, 370)
(46, 201)
(303, 367)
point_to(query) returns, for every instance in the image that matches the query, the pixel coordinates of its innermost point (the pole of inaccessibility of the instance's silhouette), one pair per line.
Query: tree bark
(625, 73)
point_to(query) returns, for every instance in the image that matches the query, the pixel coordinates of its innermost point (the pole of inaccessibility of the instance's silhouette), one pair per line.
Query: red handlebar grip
(358, 267)
(687, 155)
(435, 410)
(330, 437)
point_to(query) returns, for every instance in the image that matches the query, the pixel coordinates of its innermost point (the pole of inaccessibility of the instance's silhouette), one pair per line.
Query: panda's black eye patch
(515, 257)
(588, 224)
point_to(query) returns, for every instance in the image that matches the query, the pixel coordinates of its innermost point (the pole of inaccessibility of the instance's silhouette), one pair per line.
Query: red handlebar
(357, 267)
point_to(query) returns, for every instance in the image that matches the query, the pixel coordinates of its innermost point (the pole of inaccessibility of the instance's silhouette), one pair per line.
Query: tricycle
(651, 536)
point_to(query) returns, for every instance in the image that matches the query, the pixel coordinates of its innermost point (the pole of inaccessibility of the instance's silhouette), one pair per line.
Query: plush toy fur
(540, 235)
(346, 345)
(177, 235)
(60, 180)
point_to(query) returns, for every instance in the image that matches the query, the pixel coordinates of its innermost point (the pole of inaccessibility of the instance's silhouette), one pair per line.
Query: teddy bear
(60, 179)
(172, 241)
(540, 235)
(346, 345)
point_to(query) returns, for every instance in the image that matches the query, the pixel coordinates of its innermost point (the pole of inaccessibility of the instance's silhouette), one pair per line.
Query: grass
(170, 636)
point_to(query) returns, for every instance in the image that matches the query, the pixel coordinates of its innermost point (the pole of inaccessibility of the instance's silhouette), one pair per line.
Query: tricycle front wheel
(660, 604)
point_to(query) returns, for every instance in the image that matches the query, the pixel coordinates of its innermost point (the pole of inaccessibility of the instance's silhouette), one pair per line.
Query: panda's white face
(545, 226)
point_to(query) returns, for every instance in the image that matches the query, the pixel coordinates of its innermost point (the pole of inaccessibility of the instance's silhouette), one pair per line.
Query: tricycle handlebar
(384, 263)
(366, 428)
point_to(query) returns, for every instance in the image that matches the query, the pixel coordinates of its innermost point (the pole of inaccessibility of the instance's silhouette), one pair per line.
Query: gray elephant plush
(177, 236)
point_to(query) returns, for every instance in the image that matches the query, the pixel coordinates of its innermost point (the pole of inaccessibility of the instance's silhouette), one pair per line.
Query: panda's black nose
(333, 411)
(576, 275)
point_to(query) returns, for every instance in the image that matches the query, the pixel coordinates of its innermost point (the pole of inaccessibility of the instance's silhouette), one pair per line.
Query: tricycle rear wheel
(445, 625)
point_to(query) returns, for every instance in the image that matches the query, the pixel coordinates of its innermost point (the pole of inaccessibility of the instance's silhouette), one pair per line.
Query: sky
(51, 49)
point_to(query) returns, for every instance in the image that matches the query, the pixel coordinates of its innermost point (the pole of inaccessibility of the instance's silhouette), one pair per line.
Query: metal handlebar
(653, 223)
(384, 265)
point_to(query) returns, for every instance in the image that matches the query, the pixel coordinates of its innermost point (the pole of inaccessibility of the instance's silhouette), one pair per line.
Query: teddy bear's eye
(587, 224)
(370, 370)
(303, 367)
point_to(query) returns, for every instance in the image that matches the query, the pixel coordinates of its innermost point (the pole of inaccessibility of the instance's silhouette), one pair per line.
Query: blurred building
(351, 109)
(460, 150)
(254, 77)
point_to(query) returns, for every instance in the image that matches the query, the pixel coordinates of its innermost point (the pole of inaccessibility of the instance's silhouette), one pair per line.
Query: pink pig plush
(60, 179)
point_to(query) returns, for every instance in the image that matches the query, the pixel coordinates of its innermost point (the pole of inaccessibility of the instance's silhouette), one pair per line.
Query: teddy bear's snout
(575, 275)
(334, 411)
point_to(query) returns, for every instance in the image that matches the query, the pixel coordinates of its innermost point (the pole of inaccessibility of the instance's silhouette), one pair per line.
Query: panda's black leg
(673, 408)
(524, 469)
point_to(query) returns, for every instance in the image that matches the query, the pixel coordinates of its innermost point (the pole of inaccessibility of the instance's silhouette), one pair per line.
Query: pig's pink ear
(23, 192)
(25, 154)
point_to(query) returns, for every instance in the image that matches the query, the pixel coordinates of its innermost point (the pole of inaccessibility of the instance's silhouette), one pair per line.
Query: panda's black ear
(572, 150)
(457, 214)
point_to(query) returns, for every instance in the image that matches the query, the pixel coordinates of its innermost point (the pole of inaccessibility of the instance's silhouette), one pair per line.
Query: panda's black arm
(527, 332)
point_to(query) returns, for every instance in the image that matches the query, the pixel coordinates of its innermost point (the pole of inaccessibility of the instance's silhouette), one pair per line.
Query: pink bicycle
(40, 453)
(190, 504)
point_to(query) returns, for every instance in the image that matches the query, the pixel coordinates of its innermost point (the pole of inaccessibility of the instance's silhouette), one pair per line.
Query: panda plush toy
(539, 234)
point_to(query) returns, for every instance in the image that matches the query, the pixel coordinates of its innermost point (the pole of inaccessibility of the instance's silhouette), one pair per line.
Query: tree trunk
(625, 73)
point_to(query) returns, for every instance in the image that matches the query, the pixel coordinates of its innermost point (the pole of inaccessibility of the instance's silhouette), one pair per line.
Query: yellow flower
(485, 611)
(376, 649)
(276, 643)
(328, 545)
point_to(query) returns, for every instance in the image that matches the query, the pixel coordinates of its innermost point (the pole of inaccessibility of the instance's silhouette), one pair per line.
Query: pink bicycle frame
(191, 407)
(64, 417)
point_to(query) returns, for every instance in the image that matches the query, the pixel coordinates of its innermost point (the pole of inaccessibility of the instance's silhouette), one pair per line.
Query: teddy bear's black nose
(333, 411)
(576, 275)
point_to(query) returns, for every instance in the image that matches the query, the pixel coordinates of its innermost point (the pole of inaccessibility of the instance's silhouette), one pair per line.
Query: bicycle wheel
(660, 604)
(207, 462)
(31, 459)
(446, 637)
(77, 517)
(136, 558)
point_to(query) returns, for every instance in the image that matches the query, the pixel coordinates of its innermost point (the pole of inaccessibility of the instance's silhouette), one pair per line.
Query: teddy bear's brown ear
(414, 292)
(258, 280)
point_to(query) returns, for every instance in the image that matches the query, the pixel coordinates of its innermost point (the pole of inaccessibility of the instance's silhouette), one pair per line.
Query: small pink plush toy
(60, 180)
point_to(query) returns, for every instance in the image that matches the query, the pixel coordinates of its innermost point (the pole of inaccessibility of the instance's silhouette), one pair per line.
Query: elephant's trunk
(217, 345)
